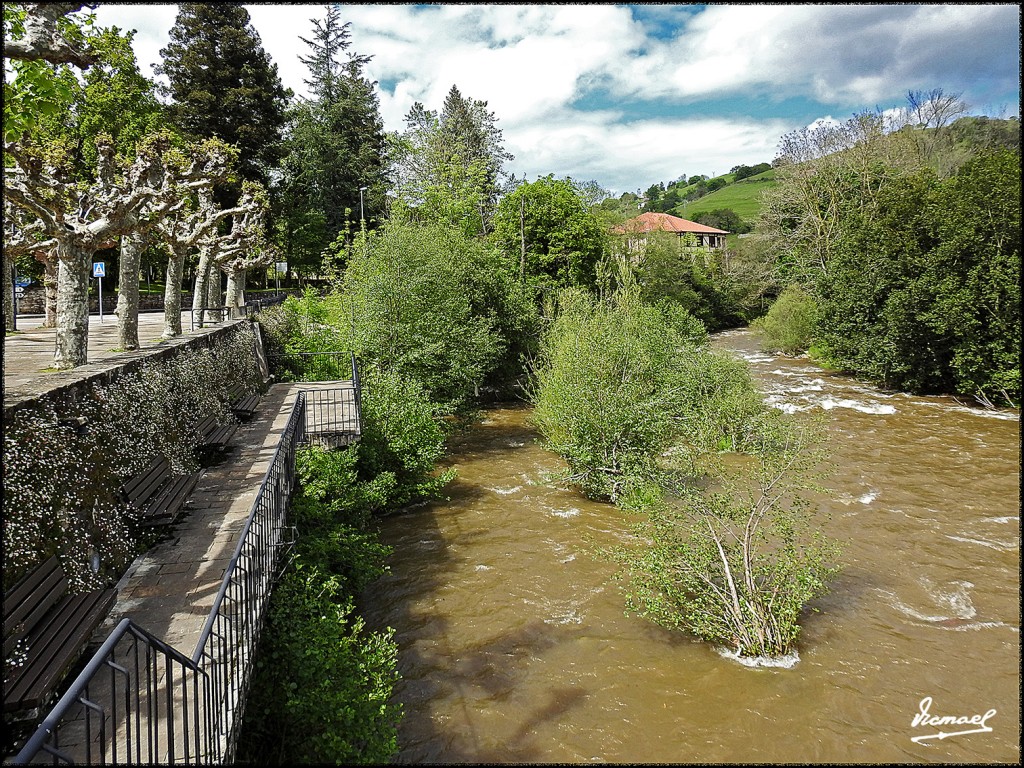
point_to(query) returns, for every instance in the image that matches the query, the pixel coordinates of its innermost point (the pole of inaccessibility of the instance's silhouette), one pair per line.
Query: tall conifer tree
(335, 146)
(223, 84)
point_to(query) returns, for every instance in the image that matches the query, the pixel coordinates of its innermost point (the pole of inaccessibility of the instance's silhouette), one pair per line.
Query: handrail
(46, 737)
(207, 721)
(224, 312)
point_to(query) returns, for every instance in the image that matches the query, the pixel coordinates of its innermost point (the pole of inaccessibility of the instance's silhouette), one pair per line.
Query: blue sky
(630, 95)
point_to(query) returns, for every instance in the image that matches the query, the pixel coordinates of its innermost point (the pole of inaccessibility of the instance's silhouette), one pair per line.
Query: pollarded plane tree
(188, 225)
(24, 237)
(215, 248)
(251, 250)
(83, 217)
(46, 38)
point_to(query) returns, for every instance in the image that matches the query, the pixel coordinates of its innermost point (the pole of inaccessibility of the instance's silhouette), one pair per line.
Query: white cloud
(539, 66)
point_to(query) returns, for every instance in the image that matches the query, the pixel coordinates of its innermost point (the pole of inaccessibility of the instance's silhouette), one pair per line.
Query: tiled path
(170, 589)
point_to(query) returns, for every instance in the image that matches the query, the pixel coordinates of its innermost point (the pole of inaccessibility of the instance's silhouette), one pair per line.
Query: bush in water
(736, 566)
(638, 405)
(789, 325)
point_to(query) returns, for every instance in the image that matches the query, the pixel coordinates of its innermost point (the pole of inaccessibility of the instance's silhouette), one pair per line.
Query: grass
(743, 196)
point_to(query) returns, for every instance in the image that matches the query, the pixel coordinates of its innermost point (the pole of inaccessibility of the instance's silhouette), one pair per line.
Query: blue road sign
(99, 269)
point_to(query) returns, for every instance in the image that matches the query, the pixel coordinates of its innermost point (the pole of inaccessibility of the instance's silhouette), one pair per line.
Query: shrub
(738, 566)
(790, 323)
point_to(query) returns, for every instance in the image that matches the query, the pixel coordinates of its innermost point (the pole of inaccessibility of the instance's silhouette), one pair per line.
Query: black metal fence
(213, 315)
(138, 699)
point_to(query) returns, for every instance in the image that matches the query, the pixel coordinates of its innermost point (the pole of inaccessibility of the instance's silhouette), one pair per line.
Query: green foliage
(789, 325)
(223, 84)
(639, 407)
(736, 566)
(446, 166)
(401, 442)
(562, 238)
(321, 692)
(673, 268)
(629, 394)
(924, 295)
(722, 218)
(335, 147)
(36, 89)
(112, 86)
(433, 306)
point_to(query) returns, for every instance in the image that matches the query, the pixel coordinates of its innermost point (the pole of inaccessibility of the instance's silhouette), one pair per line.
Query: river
(514, 646)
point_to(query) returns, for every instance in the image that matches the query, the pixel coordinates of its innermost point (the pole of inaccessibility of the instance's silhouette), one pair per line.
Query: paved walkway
(169, 590)
(28, 353)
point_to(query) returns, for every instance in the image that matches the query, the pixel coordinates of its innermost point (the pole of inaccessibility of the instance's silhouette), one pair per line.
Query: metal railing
(334, 414)
(202, 316)
(313, 366)
(127, 705)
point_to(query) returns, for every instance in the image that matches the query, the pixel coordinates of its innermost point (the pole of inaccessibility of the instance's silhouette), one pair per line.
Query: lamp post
(361, 217)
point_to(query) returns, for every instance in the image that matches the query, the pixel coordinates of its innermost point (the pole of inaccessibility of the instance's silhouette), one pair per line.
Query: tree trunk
(172, 294)
(49, 262)
(213, 298)
(132, 246)
(72, 306)
(201, 291)
(8, 292)
(235, 298)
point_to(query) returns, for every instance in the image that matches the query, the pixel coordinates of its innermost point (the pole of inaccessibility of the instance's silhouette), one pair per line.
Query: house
(637, 228)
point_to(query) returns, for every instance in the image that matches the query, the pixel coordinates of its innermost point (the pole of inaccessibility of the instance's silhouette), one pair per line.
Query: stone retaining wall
(64, 388)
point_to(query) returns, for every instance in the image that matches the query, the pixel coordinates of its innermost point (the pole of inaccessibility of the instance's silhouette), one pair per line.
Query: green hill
(743, 196)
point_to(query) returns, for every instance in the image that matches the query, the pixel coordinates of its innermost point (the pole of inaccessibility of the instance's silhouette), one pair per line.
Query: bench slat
(140, 487)
(58, 641)
(172, 498)
(31, 598)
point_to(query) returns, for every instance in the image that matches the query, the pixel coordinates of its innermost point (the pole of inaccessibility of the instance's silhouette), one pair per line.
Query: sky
(633, 95)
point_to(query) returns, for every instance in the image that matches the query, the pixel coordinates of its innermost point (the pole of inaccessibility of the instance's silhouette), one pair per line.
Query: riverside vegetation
(457, 284)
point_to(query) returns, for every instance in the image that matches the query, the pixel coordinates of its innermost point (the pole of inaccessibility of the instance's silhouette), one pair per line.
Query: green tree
(38, 44)
(446, 167)
(789, 325)
(433, 306)
(222, 84)
(549, 230)
(736, 567)
(333, 172)
(631, 396)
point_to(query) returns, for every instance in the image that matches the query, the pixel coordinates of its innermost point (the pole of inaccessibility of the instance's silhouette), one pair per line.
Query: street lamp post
(361, 217)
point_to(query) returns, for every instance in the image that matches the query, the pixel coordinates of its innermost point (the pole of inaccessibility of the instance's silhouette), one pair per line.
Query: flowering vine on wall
(64, 462)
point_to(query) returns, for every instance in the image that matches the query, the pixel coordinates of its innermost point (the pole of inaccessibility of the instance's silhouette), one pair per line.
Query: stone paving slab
(28, 353)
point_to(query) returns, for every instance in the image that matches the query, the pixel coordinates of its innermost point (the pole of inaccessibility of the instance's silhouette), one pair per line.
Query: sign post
(99, 270)
(279, 267)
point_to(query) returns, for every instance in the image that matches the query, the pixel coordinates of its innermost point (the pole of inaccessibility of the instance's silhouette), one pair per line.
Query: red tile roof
(664, 222)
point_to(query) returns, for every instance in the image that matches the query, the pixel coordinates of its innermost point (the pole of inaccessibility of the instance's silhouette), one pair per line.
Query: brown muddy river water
(514, 646)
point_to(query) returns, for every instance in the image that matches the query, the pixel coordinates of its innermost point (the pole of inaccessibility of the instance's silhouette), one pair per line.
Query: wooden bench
(46, 630)
(158, 493)
(215, 435)
(243, 405)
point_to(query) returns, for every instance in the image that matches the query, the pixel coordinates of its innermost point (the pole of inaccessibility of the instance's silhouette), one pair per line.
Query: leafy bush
(322, 686)
(628, 393)
(789, 325)
(736, 567)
